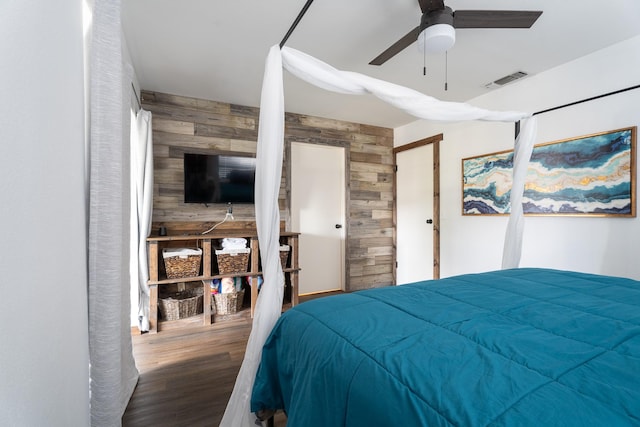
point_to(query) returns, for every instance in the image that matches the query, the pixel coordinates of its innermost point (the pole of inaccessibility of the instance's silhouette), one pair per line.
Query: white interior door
(318, 213)
(414, 210)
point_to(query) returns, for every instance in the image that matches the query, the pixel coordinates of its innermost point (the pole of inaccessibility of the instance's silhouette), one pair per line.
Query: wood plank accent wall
(183, 124)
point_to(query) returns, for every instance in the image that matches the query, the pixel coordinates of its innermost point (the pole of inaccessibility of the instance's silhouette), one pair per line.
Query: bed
(512, 347)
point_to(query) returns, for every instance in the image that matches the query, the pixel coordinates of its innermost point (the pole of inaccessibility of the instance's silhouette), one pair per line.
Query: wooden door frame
(435, 141)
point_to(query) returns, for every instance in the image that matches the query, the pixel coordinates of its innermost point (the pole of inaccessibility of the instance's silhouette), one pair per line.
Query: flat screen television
(211, 178)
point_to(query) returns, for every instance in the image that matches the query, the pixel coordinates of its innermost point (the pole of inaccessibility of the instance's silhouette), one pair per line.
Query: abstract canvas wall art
(588, 175)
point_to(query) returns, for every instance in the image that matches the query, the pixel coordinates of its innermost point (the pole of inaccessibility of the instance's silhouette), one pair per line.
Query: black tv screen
(212, 178)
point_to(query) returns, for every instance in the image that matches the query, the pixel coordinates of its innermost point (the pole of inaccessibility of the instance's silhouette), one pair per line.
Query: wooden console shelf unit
(207, 242)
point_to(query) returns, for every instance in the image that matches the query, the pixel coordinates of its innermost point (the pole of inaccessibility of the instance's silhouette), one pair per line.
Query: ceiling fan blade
(397, 47)
(495, 18)
(429, 5)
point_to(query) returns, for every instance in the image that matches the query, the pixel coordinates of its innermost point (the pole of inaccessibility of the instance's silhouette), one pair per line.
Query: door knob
(429, 221)
(338, 225)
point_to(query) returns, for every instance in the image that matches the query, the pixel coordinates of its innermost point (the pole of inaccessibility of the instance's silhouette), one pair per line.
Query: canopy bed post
(296, 22)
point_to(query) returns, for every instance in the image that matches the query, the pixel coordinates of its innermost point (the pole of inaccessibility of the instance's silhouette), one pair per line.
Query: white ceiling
(215, 49)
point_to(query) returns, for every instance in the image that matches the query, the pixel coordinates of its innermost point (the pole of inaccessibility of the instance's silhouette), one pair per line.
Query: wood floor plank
(188, 370)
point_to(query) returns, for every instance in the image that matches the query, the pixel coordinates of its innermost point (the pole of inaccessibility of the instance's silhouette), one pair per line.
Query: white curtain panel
(269, 159)
(268, 175)
(515, 227)
(113, 374)
(142, 192)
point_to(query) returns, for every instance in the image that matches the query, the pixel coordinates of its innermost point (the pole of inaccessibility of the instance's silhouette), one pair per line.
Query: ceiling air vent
(506, 79)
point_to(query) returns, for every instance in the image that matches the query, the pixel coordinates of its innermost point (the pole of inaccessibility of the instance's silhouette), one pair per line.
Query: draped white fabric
(268, 175)
(142, 197)
(515, 227)
(113, 373)
(417, 104)
(270, 147)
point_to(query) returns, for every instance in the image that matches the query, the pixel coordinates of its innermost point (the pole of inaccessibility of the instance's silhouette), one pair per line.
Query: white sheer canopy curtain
(142, 209)
(515, 227)
(269, 159)
(268, 174)
(113, 374)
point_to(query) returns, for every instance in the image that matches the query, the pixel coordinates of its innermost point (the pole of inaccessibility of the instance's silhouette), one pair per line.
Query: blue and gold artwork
(590, 175)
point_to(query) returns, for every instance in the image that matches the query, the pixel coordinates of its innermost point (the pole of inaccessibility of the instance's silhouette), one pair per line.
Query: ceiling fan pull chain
(446, 70)
(424, 62)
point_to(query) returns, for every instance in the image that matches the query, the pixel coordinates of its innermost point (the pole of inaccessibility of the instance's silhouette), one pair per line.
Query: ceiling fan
(436, 32)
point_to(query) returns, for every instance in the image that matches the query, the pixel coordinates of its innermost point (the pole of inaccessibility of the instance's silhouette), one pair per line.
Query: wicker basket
(229, 303)
(232, 261)
(181, 305)
(284, 255)
(182, 262)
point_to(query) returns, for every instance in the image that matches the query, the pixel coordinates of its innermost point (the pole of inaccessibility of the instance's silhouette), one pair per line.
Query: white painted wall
(597, 245)
(44, 378)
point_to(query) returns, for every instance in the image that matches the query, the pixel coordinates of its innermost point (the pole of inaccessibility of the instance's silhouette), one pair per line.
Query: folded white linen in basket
(234, 243)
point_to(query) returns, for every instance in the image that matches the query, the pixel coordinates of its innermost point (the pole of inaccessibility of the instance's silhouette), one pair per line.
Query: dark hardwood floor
(187, 372)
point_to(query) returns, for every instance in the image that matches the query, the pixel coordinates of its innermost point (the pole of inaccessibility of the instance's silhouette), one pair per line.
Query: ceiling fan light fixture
(437, 38)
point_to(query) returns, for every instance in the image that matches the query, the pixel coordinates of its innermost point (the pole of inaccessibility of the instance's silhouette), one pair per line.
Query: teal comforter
(522, 347)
